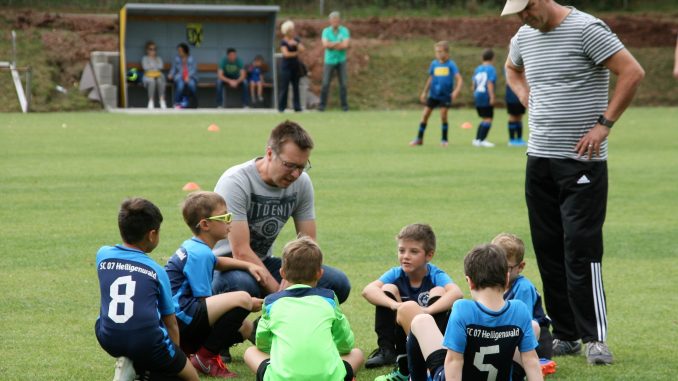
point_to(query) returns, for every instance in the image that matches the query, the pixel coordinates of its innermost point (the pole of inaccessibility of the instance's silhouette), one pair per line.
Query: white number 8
(478, 361)
(125, 298)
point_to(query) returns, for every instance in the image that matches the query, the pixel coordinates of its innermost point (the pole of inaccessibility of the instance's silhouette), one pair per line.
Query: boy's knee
(243, 299)
(421, 320)
(536, 329)
(407, 308)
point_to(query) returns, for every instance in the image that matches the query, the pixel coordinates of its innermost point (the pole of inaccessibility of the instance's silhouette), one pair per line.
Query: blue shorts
(434, 102)
(515, 109)
(438, 374)
(149, 349)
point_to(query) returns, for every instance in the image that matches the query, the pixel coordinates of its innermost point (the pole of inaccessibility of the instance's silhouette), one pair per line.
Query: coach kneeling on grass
(262, 194)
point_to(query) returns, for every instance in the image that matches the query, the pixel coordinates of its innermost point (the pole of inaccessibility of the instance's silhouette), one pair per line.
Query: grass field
(64, 175)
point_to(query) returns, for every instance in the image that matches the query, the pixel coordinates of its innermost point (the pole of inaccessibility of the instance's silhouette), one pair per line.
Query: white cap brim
(514, 6)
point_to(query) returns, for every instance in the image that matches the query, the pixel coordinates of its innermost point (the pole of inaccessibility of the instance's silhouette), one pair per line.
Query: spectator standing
(290, 47)
(336, 39)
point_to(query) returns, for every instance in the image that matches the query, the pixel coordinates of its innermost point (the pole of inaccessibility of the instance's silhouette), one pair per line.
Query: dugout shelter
(208, 30)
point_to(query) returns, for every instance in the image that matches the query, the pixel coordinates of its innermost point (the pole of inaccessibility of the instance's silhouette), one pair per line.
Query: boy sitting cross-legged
(417, 280)
(302, 334)
(483, 337)
(208, 323)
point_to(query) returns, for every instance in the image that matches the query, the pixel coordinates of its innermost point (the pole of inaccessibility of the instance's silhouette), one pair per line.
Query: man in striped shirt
(558, 66)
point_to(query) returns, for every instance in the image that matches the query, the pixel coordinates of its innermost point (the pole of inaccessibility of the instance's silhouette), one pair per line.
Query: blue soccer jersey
(488, 339)
(435, 277)
(523, 290)
(442, 79)
(190, 271)
(135, 292)
(482, 77)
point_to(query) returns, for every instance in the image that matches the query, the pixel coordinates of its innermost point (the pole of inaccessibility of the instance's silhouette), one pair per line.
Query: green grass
(64, 175)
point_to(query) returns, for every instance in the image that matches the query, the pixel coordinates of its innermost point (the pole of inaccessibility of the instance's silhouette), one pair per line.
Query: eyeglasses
(510, 268)
(227, 218)
(293, 167)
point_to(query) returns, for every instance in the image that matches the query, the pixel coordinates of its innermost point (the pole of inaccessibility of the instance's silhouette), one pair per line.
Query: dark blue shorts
(515, 108)
(194, 335)
(485, 111)
(438, 374)
(264, 365)
(433, 103)
(149, 349)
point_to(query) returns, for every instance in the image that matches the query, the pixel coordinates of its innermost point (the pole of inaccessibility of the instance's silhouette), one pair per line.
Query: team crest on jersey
(441, 71)
(422, 299)
(194, 34)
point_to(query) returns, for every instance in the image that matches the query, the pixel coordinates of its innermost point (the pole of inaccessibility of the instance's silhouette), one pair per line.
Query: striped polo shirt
(568, 83)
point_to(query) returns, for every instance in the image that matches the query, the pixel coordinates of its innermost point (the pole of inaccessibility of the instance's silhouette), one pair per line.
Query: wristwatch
(605, 122)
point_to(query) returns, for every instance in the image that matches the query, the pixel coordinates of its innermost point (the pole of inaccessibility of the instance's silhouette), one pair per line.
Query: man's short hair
(487, 266)
(137, 216)
(420, 233)
(289, 131)
(302, 260)
(443, 44)
(199, 205)
(488, 55)
(230, 50)
(335, 15)
(512, 245)
(184, 46)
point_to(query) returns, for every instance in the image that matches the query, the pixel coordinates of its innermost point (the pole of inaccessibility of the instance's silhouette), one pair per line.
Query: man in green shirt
(302, 334)
(232, 73)
(336, 39)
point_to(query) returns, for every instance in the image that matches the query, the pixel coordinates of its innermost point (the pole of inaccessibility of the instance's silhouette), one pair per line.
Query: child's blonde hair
(443, 44)
(512, 245)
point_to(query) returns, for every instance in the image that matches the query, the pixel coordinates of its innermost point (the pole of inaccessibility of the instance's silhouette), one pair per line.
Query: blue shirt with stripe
(190, 270)
(489, 337)
(135, 293)
(482, 77)
(442, 79)
(434, 277)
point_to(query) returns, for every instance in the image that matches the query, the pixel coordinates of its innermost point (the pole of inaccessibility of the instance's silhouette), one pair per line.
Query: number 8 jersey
(488, 339)
(135, 292)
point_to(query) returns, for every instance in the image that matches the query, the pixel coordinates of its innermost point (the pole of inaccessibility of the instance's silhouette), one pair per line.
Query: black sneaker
(564, 347)
(380, 357)
(226, 355)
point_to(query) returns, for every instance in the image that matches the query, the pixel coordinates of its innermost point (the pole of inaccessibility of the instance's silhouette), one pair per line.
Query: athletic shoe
(211, 366)
(547, 366)
(163, 105)
(380, 357)
(564, 347)
(444, 143)
(395, 375)
(150, 105)
(416, 142)
(597, 353)
(476, 143)
(486, 144)
(124, 370)
(517, 143)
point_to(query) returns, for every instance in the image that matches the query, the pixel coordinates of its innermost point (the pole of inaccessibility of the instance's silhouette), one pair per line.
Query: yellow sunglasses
(227, 218)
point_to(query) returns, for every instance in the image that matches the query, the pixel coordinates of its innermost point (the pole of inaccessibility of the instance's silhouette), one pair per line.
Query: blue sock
(483, 130)
(513, 130)
(444, 128)
(519, 130)
(422, 128)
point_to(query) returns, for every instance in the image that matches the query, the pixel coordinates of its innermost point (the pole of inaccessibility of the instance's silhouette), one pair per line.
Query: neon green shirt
(333, 56)
(305, 332)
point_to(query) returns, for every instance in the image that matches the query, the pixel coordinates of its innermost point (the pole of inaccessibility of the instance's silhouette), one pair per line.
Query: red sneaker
(416, 142)
(547, 366)
(211, 366)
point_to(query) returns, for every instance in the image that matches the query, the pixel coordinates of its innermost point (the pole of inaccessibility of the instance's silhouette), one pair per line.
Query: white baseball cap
(514, 6)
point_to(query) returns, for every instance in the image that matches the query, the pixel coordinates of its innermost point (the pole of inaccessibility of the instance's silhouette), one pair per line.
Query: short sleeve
(165, 303)
(233, 190)
(440, 278)
(453, 68)
(528, 295)
(528, 342)
(493, 75)
(514, 52)
(325, 35)
(198, 270)
(222, 63)
(455, 333)
(305, 210)
(431, 68)
(599, 43)
(390, 276)
(347, 33)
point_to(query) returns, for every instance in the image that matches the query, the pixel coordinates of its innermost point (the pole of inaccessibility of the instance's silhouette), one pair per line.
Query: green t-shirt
(305, 332)
(332, 56)
(231, 69)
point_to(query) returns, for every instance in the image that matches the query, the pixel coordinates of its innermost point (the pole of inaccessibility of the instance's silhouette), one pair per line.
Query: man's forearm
(268, 282)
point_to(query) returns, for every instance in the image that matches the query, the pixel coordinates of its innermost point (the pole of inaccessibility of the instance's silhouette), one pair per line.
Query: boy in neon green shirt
(302, 334)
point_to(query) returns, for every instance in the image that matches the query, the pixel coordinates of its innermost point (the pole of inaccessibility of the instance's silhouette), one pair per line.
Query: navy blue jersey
(434, 277)
(135, 292)
(482, 77)
(190, 272)
(488, 339)
(442, 79)
(522, 289)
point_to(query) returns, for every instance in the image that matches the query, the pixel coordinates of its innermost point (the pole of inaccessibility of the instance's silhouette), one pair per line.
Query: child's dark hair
(199, 205)
(184, 46)
(421, 233)
(289, 131)
(487, 266)
(301, 260)
(488, 55)
(137, 216)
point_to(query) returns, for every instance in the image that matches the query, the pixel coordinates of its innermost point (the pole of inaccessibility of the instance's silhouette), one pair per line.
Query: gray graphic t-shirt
(265, 208)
